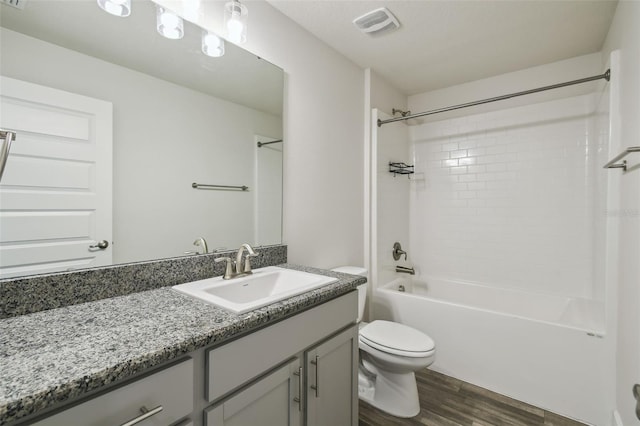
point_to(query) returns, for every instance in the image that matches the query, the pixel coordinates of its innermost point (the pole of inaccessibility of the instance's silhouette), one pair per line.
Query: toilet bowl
(390, 354)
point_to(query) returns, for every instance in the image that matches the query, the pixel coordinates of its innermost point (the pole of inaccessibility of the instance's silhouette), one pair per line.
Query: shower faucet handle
(397, 251)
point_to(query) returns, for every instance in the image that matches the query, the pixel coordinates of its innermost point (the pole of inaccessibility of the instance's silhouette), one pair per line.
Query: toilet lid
(396, 338)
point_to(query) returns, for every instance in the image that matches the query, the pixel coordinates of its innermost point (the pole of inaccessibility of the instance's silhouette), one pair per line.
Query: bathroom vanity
(159, 357)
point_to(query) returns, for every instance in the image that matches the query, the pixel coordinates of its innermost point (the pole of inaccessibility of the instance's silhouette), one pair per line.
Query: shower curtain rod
(606, 76)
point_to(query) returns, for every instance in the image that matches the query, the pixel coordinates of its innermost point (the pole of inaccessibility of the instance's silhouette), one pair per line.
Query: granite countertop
(50, 357)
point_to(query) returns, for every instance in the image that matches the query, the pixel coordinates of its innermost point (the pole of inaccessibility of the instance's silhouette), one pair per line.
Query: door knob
(101, 245)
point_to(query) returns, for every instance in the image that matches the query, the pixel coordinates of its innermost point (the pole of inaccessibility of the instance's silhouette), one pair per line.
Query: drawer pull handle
(298, 398)
(317, 385)
(145, 415)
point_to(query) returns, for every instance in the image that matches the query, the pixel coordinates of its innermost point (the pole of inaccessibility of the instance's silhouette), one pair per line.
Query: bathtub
(541, 349)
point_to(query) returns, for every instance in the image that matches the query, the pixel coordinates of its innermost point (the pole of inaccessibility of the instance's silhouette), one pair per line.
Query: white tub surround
(514, 198)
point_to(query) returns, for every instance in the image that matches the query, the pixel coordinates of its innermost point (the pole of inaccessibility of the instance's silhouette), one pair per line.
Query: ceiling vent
(18, 4)
(377, 22)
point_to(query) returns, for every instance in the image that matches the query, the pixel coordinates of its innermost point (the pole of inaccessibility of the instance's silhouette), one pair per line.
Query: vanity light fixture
(212, 45)
(169, 24)
(235, 21)
(116, 7)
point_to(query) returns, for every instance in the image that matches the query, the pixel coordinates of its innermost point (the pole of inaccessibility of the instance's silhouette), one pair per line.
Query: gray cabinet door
(271, 401)
(332, 379)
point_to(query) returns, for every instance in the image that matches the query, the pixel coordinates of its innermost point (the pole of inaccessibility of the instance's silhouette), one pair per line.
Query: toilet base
(393, 393)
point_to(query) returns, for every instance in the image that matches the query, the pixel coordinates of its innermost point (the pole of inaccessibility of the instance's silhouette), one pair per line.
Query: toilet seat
(397, 339)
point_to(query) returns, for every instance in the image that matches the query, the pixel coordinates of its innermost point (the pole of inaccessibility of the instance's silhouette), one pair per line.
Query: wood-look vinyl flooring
(445, 401)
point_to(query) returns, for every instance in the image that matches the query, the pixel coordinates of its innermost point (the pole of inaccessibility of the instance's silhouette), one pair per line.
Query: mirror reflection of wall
(187, 118)
(268, 184)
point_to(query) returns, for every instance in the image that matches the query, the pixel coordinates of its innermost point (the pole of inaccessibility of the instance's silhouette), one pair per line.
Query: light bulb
(212, 45)
(234, 30)
(116, 7)
(169, 20)
(235, 21)
(169, 24)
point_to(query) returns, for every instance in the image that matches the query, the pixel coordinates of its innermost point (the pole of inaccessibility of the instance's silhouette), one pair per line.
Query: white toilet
(390, 353)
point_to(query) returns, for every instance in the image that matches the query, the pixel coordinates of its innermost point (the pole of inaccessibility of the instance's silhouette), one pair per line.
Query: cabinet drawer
(171, 389)
(237, 362)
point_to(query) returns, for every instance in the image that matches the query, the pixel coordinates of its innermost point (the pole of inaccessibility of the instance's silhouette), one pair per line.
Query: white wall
(391, 144)
(512, 191)
(509, 198)
(156, 213)
(268, 193)
(380, 99)
(384, 96)
(624, 35)
(323, 149)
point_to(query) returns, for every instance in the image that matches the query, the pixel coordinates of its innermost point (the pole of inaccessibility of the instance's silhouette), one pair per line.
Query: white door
(55, 194)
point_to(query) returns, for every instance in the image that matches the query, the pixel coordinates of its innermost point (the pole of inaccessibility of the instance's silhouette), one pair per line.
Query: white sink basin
(265, 286)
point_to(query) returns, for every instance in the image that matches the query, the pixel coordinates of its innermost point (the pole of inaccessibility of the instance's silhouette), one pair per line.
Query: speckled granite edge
(36, 293)
(187, 324)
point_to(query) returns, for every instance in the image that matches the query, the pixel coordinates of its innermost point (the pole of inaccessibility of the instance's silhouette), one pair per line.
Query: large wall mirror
(115, 121)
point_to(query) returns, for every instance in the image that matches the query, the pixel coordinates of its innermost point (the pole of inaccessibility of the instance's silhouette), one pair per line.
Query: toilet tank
(362, 289)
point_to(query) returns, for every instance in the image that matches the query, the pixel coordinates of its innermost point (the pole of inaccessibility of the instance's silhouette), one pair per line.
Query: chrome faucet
(405, 270)
(202, 243)
(234, 268)
(247, 264)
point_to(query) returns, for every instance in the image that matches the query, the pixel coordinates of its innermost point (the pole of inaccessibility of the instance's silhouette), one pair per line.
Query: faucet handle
(398, 252)
(247, 264)
(228, 272)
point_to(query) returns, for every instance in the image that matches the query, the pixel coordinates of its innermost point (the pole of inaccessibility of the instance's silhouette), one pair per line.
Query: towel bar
(202, 185)
(613, 164)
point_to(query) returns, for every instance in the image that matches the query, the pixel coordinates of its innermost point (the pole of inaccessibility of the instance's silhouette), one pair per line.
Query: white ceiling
(447, 42)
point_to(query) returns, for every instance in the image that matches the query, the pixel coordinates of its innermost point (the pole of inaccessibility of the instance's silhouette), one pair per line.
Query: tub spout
(405, 270)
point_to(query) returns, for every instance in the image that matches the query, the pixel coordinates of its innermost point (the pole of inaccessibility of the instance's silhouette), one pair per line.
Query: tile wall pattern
(511, 198)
